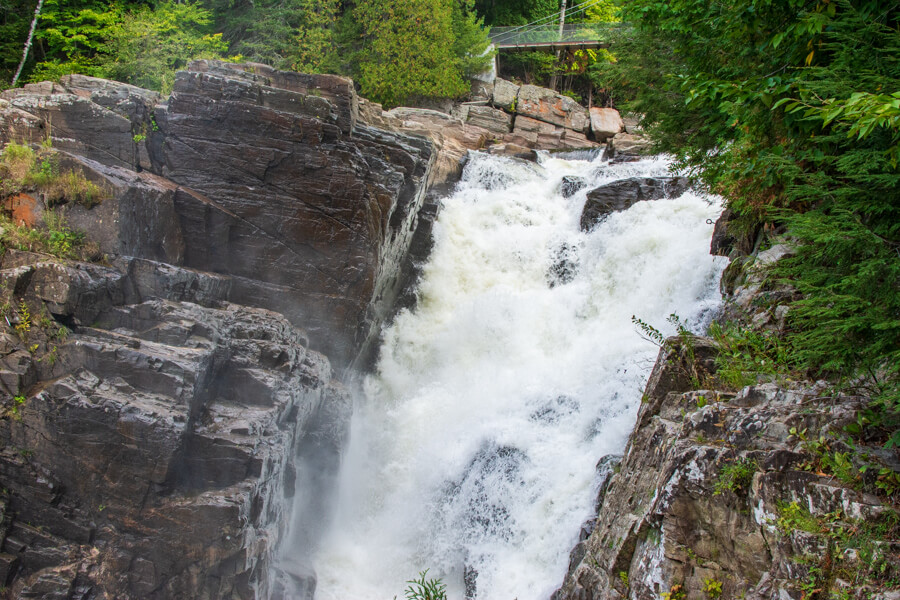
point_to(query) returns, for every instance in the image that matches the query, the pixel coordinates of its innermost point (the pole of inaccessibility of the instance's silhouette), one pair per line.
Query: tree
(150, 44)
(409, 49)
(515, 12)
(37, 14)
(314, 51)
(792, 111)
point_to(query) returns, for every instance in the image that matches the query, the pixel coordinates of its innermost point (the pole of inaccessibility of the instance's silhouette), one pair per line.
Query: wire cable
(544, 21)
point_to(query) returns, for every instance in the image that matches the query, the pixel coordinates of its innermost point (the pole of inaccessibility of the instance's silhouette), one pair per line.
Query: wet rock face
(145, 445)
(155, 413)
(620, 195)
(258, 174)
(698, 495)
(310, 219)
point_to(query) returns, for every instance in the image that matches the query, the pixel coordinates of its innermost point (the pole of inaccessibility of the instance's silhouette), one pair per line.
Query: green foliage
(149, 44)
(793, 516)
(139, 44)
(470, 41)
(408, 49)
(284, 33)
(790, 109)
(736, 476)
(315, 43)
(676, 592)
(425, 589)
(854, 468)
(515, 12)
(15, 16)
(745, 355)
(858, 552)
(21, 168)
(712, 588)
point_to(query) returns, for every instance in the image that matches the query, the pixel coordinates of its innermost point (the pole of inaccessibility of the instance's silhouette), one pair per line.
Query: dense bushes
(792, 111)
(396, 50)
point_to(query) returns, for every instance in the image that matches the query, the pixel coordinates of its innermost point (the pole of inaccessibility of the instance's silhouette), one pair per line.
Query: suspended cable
(543, 21)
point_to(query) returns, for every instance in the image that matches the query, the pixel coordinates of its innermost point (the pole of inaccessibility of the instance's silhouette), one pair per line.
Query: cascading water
(475, 443)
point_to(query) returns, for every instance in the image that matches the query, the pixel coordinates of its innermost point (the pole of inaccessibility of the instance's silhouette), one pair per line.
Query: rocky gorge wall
(156, 404)
(257, 228)
(739, 493)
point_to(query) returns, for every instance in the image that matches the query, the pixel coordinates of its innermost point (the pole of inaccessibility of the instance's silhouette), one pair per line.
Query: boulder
(505, 94)
(633, 123)
(537, 133)
(511, 149)
(622, 194)
(492, 119)
(548, 106)
(627, 144)
(571, 184)
(605, 123)
(573, 140)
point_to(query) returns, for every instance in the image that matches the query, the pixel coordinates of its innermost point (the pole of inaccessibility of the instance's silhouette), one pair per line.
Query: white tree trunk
(562, 22)
(37, 13)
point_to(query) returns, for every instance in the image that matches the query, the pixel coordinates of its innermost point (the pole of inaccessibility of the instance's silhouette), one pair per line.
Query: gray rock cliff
(155, 407)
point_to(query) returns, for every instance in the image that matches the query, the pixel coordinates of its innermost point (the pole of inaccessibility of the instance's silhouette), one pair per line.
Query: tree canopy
(396, 50)
(791, 110)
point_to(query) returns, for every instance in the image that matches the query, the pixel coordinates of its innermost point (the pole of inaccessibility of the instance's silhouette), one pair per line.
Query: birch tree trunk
(37, 13)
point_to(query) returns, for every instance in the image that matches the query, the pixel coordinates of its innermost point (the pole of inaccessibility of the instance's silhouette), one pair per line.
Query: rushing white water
(476, 441)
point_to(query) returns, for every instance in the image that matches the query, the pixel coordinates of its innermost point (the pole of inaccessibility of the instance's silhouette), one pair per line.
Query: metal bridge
(548, 37)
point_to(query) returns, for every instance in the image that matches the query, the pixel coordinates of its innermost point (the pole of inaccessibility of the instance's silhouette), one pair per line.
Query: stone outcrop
(627, 144)
(707, 493)
(148, 429)
(606, 123)
(492, 119)
(505, 94)
(739, 493)
(264, 176)
(154, 408)
(620, 195)
(550, 107)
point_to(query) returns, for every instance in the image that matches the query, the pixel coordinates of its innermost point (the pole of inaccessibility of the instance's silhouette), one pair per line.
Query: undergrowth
(859, 559)
(23, 169)
(37, 173)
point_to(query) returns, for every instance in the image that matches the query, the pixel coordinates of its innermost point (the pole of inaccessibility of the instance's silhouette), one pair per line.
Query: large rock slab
(605, 123)
(148, 455)
(492, 119)
(621, 194)
(505, 94)
(548, 106)
(308, 219)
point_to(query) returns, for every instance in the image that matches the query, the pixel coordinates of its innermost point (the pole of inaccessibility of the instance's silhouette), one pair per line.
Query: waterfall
(474, 444)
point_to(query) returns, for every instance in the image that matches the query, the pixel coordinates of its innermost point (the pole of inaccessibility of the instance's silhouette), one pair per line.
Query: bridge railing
(506, 37)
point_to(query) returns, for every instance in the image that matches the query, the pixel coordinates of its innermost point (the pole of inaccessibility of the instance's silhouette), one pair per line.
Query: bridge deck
(579, 35)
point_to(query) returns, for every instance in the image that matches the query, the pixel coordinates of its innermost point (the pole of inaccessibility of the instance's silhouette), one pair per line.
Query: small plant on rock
(736, 476)
(423, 588)
(712, 588)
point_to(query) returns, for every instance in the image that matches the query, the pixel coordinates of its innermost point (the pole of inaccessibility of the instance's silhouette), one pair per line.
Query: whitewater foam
(475, 443)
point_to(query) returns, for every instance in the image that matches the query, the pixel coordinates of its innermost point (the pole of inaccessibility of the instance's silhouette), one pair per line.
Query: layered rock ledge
(739, 494)
(156, 406)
